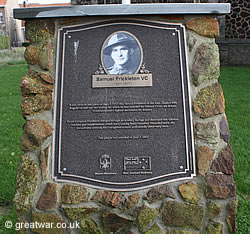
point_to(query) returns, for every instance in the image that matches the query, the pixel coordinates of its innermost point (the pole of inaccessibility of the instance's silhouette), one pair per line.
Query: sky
(44, 1)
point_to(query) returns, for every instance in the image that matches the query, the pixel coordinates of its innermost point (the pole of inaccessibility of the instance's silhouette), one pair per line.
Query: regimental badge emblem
(105, 162)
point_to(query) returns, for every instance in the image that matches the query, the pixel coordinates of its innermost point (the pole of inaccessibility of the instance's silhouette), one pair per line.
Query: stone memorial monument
(125, 121)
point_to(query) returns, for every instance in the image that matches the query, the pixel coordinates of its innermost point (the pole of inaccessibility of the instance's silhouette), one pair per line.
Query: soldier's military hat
(119, 39)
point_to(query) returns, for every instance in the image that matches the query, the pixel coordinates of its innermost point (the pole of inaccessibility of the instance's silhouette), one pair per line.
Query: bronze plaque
(122, 105)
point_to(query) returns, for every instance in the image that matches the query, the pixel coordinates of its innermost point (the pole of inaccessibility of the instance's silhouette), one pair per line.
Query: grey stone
(114, 222)
(121, 9)
(224, 129)
(206, 65)
(225, 161)
(219, 186)
(159, 193)
(207, 132)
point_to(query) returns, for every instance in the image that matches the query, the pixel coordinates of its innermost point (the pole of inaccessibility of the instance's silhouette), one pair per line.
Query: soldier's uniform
(128, 69)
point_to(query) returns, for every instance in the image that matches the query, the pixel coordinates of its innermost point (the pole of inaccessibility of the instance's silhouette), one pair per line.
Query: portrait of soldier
(121, 54)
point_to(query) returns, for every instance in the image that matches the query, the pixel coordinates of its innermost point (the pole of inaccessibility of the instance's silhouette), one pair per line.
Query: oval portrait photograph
(121, 54)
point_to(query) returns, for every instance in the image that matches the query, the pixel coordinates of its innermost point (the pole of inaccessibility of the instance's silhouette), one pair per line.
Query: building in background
(234, 41)
(9, 26)
(12, 29)
(26, 4)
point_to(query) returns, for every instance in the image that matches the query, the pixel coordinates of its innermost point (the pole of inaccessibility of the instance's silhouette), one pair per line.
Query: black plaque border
(58, 173)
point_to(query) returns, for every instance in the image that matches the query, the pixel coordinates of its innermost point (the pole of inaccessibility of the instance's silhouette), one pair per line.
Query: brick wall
(238, 21)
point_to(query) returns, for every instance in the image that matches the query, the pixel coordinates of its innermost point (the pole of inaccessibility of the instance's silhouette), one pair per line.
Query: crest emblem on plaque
(137, 163)
(105, 162)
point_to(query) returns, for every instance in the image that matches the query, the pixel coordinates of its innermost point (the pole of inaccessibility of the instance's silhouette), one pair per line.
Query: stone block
(220, 186)
(155, 229)
(44, 155)
(115, 223)
(22, 230)
(215, 228)
(46, 56)
(51, 222)
(209, 101)
(108, 198)
(145, 217)
(34, 134)
(182, 215)
(190, 192)
(131, 201)
(207, 132)
(204, 26)
(48, 198)
(191, 41)
(41, 55)
(33, 104)
(214, 209)
(32, 54)
(159, 193)
(204, 157)
(39, 30)
(224, 129)
(79, 212)
(173, 231)
(26, 183)
(36, 83)
(47, 78)
(90, 226)
(231, 216)
(225, 161)
(73, 194)
(206, 65)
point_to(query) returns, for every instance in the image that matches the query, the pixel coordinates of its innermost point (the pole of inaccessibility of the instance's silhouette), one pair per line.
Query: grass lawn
(235, 82)
(11, 124)
(236, 86)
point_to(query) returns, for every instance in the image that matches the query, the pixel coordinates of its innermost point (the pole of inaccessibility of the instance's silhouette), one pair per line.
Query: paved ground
(15, 55)
(2, 51)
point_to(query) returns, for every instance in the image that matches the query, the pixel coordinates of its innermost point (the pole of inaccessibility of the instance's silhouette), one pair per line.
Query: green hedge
(4, 42)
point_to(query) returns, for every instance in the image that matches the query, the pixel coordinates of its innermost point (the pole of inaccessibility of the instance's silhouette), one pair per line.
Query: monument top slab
(123, 9)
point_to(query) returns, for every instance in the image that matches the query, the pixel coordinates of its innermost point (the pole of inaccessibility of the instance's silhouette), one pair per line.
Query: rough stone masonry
(205, 204)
